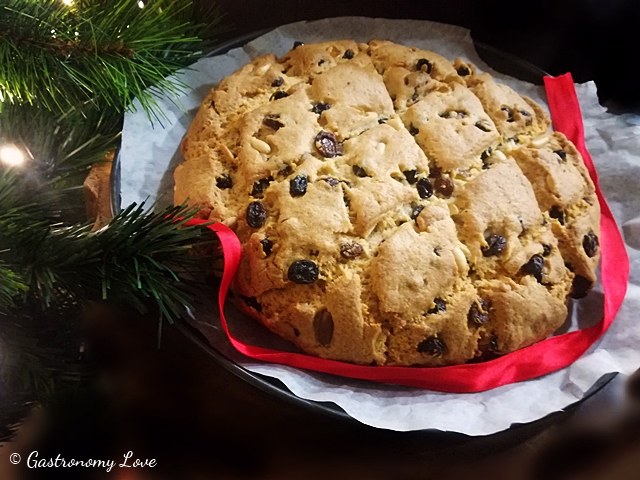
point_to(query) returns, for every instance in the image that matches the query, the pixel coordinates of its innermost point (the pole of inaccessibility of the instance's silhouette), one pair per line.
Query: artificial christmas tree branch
(67, 74)
(11, 286)
(57, 151)
(98, 52)
(51, 273)
(137, 258)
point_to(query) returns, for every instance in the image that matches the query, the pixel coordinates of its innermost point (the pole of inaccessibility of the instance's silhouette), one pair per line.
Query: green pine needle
(11, 286)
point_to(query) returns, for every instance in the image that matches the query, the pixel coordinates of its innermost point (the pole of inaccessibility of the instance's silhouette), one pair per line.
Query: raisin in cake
(395, 208)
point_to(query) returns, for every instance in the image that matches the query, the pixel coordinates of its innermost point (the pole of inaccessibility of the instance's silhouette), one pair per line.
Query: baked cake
(395, 208)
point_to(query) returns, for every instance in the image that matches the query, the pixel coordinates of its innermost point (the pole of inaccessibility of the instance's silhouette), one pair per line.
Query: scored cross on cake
(395, 208)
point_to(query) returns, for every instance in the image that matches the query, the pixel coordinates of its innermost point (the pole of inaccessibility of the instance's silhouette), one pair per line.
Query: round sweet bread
(395, 208)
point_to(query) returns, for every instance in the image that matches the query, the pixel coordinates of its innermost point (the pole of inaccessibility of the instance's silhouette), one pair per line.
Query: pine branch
(66, 76)
(140, 258)
(59, 151)
(133, 261)
(11, 286)
(14, 197)
(136, 259)
(20, 216)
(104, 52)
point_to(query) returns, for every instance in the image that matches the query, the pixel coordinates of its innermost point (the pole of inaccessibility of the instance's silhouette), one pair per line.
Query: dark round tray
(498, 60)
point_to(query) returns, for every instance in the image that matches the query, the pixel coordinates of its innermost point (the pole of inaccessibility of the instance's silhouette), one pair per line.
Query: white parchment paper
(151, 153)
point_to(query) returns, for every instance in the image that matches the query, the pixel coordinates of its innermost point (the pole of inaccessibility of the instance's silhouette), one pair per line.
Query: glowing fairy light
(141, 4)
(68, 3)
(11, 156)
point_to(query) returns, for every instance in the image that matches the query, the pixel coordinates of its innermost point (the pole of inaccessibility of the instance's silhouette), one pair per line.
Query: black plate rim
(275, 387)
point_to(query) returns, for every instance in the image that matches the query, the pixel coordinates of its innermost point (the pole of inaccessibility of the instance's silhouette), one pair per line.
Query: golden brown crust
(394, 207)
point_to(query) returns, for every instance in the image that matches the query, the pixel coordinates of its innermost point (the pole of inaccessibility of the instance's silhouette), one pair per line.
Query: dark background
(200, 422)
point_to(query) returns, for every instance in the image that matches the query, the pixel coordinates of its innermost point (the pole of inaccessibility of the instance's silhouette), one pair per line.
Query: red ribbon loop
(540, 359)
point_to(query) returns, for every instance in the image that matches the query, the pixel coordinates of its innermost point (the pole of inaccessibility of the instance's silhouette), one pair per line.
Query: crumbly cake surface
(394, 207)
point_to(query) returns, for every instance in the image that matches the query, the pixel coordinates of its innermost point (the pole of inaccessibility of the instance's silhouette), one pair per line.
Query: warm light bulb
(141, 4)
(11, 156)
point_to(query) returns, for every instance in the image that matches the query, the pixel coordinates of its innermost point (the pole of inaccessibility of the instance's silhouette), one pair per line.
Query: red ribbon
(540, 359)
